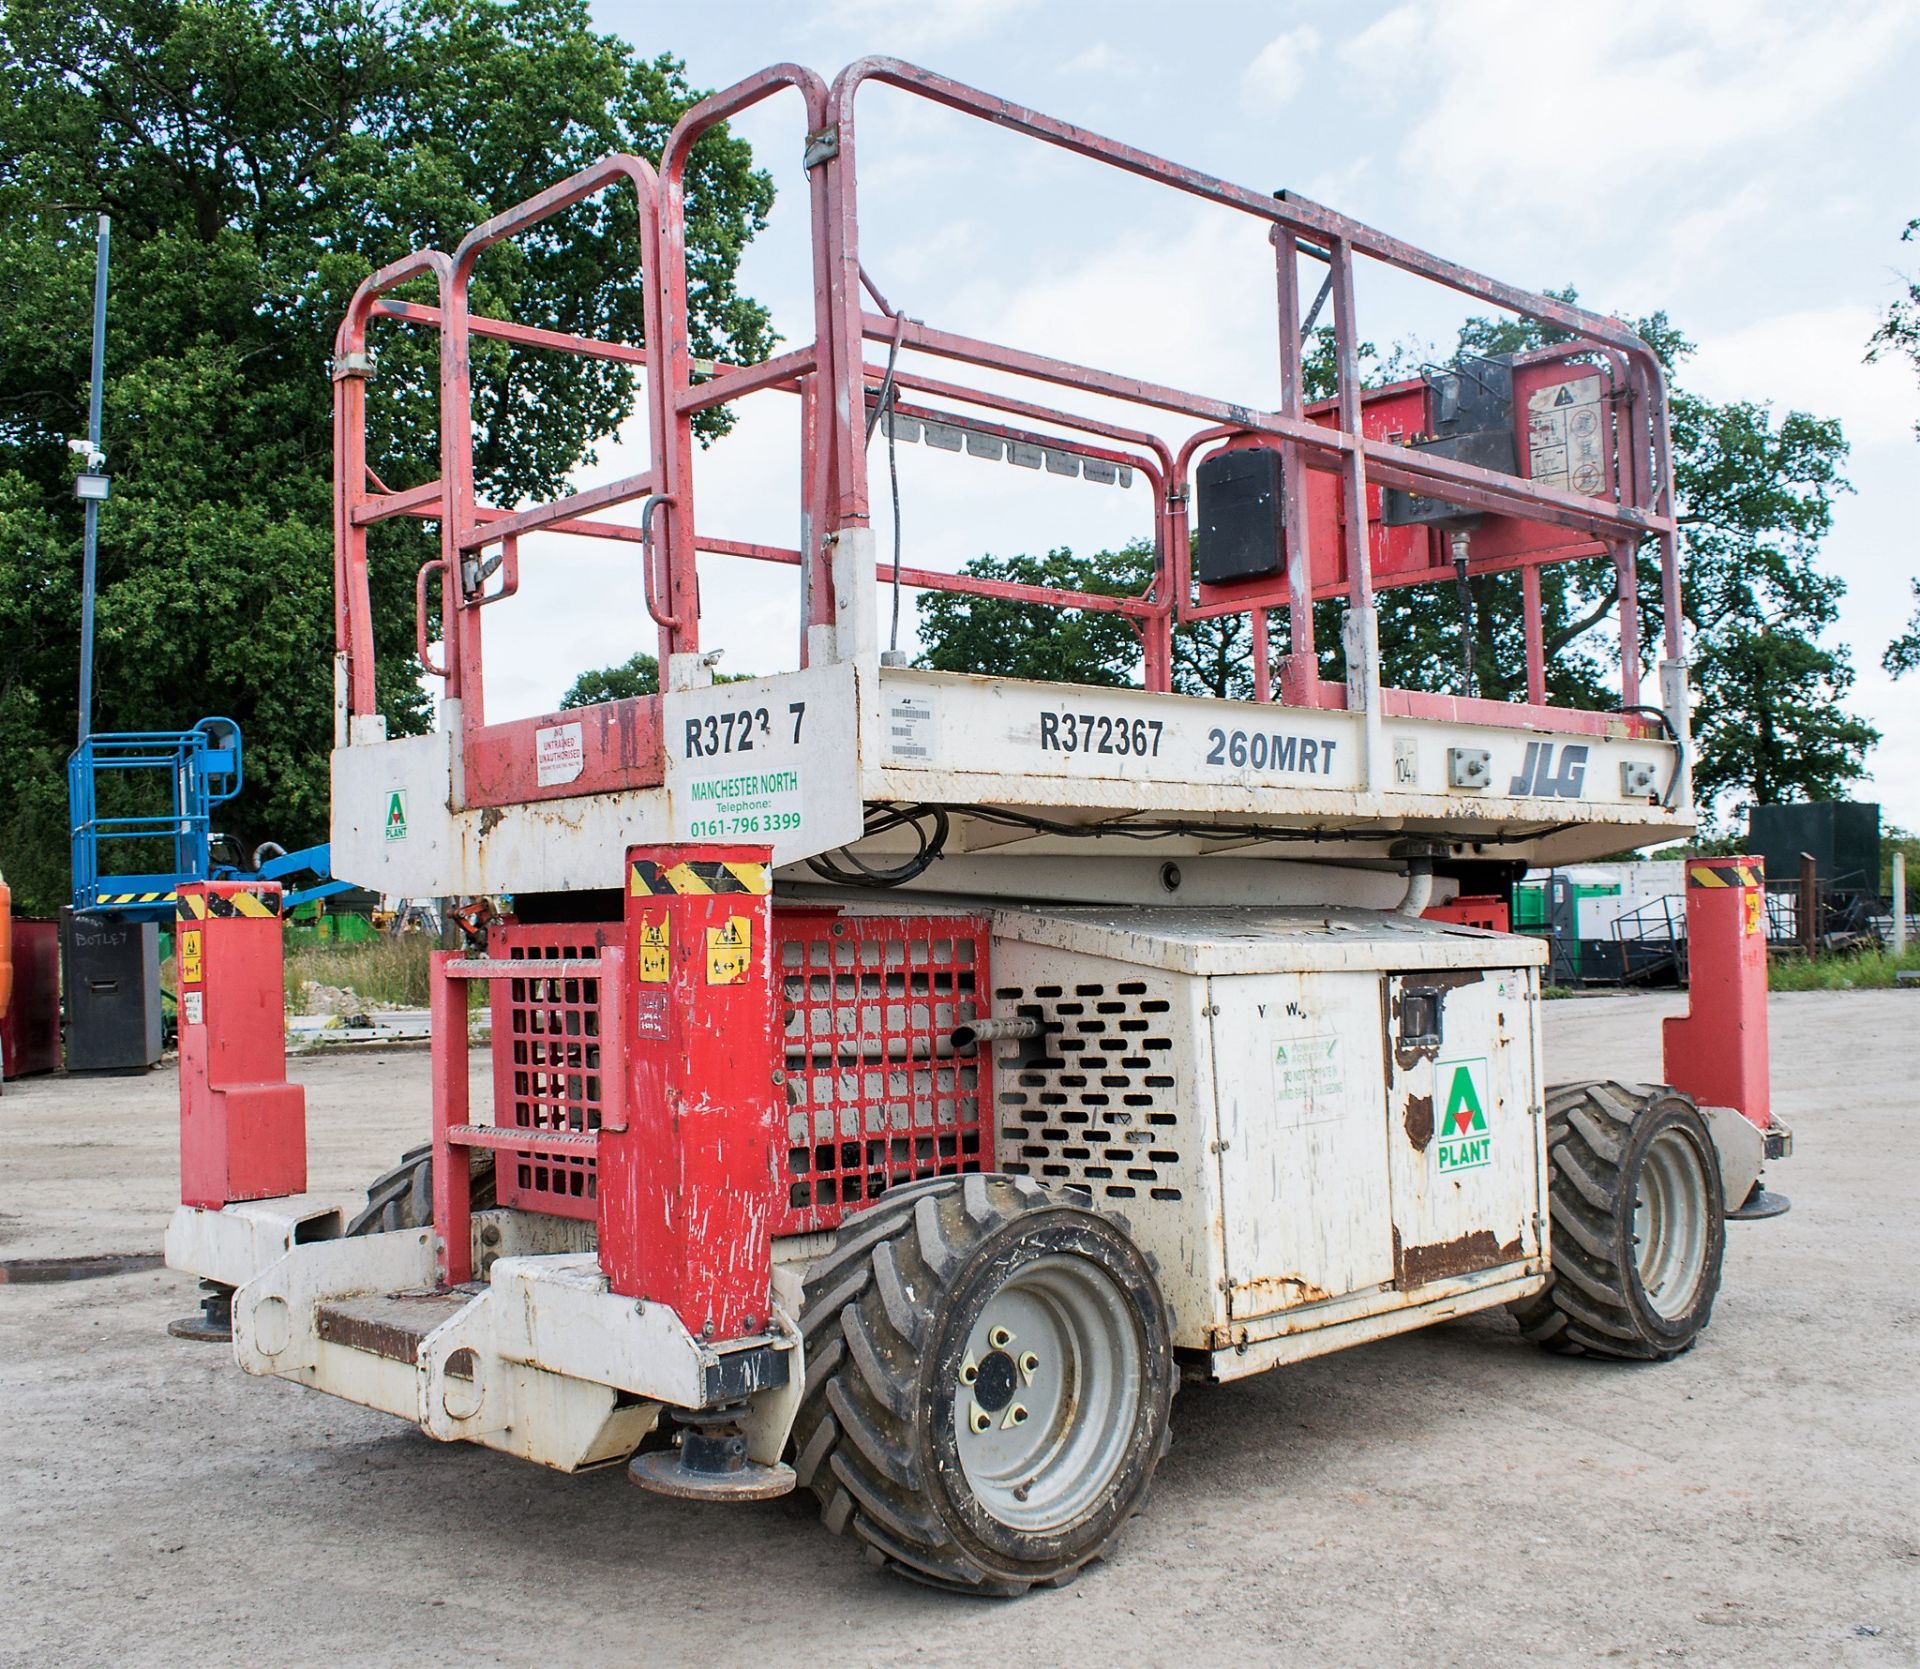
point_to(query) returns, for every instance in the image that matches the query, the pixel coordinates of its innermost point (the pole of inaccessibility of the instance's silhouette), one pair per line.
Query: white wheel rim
(1047, 1394)
(1670, 1224)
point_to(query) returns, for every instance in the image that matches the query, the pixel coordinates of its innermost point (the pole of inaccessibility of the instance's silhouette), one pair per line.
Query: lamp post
(92, 485)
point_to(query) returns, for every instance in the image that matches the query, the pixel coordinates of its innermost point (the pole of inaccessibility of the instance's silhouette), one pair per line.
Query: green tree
(1899, 332)
(1006, 639)
(1903, 654)
(258, 161)
(637, 675)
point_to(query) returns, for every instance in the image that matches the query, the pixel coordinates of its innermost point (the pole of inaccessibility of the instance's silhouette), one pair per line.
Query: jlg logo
(1537, 775)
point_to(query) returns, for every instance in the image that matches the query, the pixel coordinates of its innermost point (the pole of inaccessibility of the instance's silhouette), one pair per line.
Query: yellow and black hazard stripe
(133, 897)
(246, 902)
(658, 880)
(1725, 872)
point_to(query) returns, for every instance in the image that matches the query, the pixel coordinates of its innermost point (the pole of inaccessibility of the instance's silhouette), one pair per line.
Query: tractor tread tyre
(402, 1198)
(1594, 1304)
(884, 1321)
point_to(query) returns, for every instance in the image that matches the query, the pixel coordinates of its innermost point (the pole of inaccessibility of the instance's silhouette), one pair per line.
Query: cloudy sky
(1746, 166)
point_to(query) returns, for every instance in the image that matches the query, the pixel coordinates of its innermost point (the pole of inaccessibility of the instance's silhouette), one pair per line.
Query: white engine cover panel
(1308, 1118)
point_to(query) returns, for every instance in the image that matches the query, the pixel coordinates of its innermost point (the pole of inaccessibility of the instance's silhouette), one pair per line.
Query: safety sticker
(190, 956)
(729, 951)
(192, 1005)
(653, 952)
(1567, 437)
(397, 814)
(559, 754)
(1465, 1141)
(1750, 905)
(650, 1015)
(1309, 1080)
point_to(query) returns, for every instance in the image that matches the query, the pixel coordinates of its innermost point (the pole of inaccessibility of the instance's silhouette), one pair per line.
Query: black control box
(1471, 420)
(1240, 524)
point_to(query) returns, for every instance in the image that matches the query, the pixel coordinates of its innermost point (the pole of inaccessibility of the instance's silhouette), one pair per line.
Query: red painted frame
(1340, 449)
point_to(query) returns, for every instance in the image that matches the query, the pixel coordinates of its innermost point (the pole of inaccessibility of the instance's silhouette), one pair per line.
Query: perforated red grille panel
(866, 1004)
(546, 1064)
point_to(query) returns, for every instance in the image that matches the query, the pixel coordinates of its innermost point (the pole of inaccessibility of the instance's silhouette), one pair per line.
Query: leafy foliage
(1036, 640)
(637, 675)
(1899, 332)
(258, 162)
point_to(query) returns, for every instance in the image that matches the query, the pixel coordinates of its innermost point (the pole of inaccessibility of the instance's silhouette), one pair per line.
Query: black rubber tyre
(1619, 1153)
(888, 1319)
(403, 1197)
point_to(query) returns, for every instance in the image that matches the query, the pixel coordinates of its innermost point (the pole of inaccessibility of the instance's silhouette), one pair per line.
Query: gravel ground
(1453, 1497)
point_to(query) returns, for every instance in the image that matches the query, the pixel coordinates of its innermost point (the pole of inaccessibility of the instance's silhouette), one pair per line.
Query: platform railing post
(1717, 1051)
(452, 1168)
(1300, 671)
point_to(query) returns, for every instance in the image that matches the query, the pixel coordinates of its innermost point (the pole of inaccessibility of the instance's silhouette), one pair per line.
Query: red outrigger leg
(1717, 1051)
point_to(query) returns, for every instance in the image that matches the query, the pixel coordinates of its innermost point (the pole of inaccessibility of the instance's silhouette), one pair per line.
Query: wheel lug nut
(999, 1338)
(1029, 1363)
(979, 1419)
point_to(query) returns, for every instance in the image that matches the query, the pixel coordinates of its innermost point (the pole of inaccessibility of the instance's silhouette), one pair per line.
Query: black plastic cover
(1471, 420)
(1241, 521)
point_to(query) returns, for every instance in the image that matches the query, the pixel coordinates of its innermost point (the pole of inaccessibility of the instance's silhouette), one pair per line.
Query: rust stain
(491, 819)
(1276, 1292)
(1419, 1121)
(1415, 1266)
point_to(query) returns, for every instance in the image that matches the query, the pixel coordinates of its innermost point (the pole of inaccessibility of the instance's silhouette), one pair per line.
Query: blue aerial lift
(135, 841)
(205, 768)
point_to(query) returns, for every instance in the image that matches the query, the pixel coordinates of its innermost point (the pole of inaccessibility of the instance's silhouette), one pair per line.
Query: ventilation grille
(874, 1097)
(1092, 1102)
(546, 1065)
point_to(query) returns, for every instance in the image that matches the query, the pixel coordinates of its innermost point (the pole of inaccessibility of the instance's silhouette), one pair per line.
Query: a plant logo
(1465, 1141)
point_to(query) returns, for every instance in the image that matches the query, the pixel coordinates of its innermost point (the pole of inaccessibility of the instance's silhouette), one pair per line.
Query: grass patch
(387, 970)
(1870, 971)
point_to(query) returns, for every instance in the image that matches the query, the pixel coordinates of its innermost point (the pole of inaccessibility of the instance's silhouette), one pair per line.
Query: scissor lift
(900, 1078)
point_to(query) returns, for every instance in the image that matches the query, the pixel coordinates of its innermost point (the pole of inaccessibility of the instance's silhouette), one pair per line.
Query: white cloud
(904, 29)
(1279, 70)
(1812, 360)
(1097, 59)
(1570, 109)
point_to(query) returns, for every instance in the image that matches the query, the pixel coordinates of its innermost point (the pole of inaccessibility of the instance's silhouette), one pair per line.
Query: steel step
(390, 1325)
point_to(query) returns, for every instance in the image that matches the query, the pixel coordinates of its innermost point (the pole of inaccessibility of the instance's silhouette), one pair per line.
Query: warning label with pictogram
(653, 952)
(1567, 441)
(190, 956)
(729, 951)
(1465, 1141)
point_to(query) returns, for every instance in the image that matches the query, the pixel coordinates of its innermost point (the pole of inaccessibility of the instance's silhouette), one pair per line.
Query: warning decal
(1465, 1142)
(1567, 442)
(729, 951)
(653, 952)
(1309, 1080)
(559, 754)
(190, 956)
